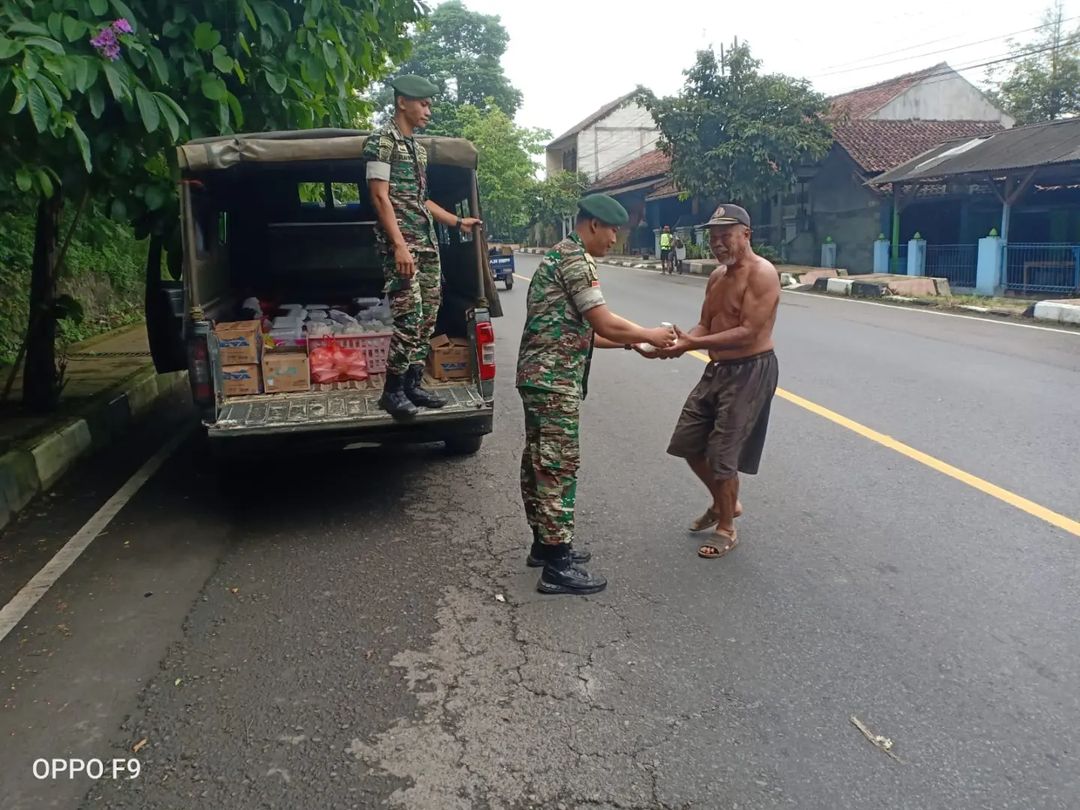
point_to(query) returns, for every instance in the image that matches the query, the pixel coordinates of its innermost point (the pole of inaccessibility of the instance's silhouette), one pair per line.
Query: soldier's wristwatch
(458, 225)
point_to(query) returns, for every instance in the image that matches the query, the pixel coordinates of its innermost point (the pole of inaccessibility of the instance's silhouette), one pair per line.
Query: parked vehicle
(501, 262)
(286, 217)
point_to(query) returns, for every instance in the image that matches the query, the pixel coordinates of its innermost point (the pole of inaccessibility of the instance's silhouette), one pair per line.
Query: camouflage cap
(604, 208)
(728, 214)
(414, 86)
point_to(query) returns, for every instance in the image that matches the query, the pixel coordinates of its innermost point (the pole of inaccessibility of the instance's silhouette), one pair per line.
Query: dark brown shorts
(727, 415)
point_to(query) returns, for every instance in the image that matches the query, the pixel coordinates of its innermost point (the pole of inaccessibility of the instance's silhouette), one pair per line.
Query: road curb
(36, 465)
(1067, 312)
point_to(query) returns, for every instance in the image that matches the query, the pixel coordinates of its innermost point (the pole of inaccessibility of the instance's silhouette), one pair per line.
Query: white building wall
(625, 134)
(942, 98)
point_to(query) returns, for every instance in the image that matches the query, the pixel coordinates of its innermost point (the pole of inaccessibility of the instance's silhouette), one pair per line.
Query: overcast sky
(838, 45)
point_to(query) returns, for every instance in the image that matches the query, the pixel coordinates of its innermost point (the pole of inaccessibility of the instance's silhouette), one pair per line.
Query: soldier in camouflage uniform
(567, 317)
(397, 180)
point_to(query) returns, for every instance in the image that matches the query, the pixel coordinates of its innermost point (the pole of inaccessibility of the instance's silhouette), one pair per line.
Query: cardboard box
(240, 381)
(450, 358)
(286, 371)
(238, 342)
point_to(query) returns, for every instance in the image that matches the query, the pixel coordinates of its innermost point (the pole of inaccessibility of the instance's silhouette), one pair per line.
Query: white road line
(923, 311)
(15, 610)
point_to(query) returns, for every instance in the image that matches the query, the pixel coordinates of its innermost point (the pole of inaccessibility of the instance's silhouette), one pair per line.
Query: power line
(944, 74)
(937, 52)
(859, 62)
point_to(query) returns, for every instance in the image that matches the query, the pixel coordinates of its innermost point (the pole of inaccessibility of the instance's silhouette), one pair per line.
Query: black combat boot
(540, 552)
(562, 575)
(393, 399)
(415, 391)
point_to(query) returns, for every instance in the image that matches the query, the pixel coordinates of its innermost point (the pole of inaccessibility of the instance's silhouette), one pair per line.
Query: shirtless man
(721, 431)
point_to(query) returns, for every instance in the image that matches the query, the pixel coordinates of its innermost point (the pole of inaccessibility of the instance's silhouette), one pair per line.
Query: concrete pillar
(656, 242)
(881, 255)
(828, 252)
(990, 271)
(916, 256)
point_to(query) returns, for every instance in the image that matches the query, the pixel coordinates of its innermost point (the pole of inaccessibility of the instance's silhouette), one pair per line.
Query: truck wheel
(463, 445)
(509, 282)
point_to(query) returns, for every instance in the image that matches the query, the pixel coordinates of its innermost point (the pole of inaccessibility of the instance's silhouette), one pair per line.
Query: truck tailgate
(268, 414)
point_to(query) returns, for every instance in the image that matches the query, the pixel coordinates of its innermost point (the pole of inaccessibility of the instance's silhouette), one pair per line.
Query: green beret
(414, 87)
(604, 208)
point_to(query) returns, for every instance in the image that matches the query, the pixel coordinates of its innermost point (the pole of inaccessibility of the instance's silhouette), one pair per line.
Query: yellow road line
(982, 485)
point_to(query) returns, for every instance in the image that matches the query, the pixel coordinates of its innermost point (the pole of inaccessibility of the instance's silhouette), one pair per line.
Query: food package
(288, 322)
(238, 381)
(285, 371)
(343, 318)
(332, 362)
(238, 342)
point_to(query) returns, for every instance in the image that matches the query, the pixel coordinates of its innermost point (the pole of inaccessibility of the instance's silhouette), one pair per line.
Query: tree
(461, 51)
(506, 173)
(737, 133)
(1043, 83)
(96, 93)
(557, 198)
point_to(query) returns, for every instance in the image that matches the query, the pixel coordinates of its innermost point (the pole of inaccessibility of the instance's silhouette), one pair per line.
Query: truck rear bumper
(343, 417)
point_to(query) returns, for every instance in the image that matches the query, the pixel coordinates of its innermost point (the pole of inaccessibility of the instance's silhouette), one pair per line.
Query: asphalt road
(360, 630)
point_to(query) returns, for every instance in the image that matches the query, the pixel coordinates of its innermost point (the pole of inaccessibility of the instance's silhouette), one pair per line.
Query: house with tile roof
(876, 128)
(608, 138)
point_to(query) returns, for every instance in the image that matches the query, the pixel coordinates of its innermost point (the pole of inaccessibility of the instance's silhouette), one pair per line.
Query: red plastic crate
(375, 345)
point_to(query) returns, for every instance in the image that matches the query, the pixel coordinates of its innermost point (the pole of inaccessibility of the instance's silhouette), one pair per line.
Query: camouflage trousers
(550, 462)
(415, 308)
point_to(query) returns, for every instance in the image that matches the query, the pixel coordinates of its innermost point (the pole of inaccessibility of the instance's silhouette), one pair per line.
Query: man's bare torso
(726, 297)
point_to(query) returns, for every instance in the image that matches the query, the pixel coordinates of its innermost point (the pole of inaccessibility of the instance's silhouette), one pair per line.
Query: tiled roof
(1053, 147)
(603, 112)
(654, 164)
(866, 101)
(878, 146)
(668, 189)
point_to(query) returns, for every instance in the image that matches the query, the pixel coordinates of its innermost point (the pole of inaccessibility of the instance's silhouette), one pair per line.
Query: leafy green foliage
(557, 197)
(461, 51)
(191, 68)
(506, 173)
(737, 133)
(1043, 84)
(95, 94)
(104, 277)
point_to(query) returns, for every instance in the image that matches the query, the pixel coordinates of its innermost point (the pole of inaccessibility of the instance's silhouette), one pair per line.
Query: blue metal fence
(957, 263)
(1042, 268)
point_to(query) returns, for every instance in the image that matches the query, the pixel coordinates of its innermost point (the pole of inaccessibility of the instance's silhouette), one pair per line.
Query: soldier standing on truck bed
(397, 182)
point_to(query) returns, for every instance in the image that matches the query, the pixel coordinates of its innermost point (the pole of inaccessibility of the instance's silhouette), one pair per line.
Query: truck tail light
(202, 388)
(485, 347)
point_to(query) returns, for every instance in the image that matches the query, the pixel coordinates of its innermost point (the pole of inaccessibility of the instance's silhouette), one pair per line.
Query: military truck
(286, 216)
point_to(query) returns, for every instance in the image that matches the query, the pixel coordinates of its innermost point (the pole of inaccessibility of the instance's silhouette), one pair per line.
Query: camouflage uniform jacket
(402, 161)
(556, 345)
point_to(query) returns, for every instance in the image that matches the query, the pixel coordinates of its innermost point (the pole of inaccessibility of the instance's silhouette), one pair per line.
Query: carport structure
(1035, 173)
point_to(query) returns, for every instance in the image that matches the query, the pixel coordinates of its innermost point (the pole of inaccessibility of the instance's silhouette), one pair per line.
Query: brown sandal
(709, 519)
(717, 549)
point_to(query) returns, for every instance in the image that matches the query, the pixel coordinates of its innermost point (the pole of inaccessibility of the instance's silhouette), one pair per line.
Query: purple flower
(104, 39)
(106, 44)
(122, 26)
